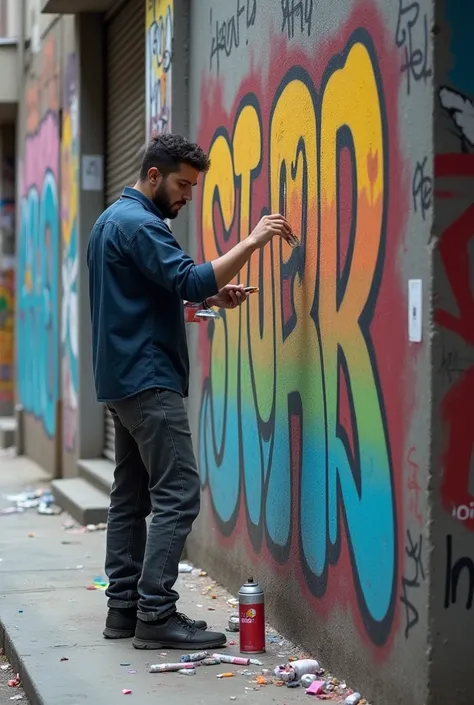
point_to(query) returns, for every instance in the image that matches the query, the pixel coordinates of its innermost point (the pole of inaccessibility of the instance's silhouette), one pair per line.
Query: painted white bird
(461, 109)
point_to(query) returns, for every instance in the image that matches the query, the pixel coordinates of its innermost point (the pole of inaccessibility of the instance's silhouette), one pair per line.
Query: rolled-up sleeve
(157, 254)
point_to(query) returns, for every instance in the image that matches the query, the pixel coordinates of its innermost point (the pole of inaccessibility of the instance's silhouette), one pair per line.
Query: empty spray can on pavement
(297, 669)
(252, 618)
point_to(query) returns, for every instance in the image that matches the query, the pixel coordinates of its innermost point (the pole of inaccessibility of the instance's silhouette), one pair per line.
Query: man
(138, 279)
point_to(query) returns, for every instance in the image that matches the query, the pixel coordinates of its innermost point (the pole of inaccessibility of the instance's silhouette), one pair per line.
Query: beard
(163, 202)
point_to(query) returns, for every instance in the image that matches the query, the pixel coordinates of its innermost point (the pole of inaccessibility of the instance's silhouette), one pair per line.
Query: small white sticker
(92, 172)
(414, 310)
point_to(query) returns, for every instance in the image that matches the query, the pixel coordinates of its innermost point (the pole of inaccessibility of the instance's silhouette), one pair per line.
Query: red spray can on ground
(252, 618)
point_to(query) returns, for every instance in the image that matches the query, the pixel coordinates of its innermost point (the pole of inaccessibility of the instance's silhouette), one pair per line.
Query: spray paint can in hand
(252, 618)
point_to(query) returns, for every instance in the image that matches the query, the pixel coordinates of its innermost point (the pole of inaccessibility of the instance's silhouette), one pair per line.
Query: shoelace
(187, 623)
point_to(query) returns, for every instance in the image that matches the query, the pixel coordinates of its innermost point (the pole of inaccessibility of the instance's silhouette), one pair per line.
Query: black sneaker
(178, 632)
(121, 623)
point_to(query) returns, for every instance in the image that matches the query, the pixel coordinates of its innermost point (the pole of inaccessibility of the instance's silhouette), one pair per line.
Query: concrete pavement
(51, 625)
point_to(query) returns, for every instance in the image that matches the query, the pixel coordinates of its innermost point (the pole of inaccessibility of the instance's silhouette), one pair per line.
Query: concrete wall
(46, 343)
(453, 355)
(310, 407)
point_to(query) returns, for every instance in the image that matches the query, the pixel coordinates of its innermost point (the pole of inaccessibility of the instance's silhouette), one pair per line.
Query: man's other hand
(229, 296)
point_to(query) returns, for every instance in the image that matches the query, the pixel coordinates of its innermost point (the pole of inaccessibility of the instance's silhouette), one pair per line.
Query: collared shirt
(138, 278)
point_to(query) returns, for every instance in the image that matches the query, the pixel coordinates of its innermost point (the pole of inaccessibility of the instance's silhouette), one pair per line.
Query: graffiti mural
(38, 250)
(301, 419)
(455, 305)
(7, 317)
(69, 203)
(159, 59)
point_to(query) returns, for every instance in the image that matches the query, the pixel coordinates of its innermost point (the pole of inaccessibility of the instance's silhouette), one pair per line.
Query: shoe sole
(118, 633)
(144, 644)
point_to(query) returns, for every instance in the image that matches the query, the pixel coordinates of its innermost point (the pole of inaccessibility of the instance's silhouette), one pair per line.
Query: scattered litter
(98, 583)
(233, 602)
(255, 662)
(225, 675)
(20, 611)
(187, 671)
(125, 664)
(260, 680)
(198, 656)
(232, 642)
(31, 535)
(169, 667)
(307, 679)
(293, 671)
(48, 507)
(232, 697)
(14, 682)
(316, 688)
(17, 697)
(198, 573)
(64, 658)
(73, 528)
(27, 499)
(12, 510)
(41, 500)
(210, 662)
(132, 671)
(5, 667)
(185, 568)
(126, 691)
(353, 699)
(294, 684)
(235, 660)
(96, 527)
(233, 622)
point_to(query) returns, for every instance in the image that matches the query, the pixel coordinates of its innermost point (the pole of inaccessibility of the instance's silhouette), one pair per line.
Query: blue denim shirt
(138, 279)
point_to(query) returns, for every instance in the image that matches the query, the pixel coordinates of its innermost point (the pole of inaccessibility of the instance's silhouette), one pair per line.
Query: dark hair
(166, 152)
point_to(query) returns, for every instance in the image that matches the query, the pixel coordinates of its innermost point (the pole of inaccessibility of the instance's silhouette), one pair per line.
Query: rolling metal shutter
(126, 117)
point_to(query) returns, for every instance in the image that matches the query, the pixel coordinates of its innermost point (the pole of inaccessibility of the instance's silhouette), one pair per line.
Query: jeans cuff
(155, 616)
(121, 604)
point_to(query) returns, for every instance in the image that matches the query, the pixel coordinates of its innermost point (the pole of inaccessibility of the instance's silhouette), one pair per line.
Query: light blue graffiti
(38, 319)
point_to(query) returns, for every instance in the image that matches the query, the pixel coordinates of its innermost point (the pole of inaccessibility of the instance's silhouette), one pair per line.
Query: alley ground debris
(10, 693)
(52, 610)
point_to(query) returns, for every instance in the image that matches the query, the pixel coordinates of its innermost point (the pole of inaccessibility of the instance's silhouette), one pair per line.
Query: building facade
(330, 413)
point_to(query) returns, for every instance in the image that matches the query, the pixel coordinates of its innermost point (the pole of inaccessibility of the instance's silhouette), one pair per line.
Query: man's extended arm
(159, 257)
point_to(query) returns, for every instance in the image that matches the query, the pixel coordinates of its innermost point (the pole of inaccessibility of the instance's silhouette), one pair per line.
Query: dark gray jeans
(155, 471)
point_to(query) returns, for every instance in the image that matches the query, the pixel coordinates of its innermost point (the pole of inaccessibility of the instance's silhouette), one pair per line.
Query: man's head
(170, 168)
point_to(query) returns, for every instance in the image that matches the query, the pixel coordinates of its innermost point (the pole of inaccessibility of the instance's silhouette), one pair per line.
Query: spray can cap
(251, 587)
